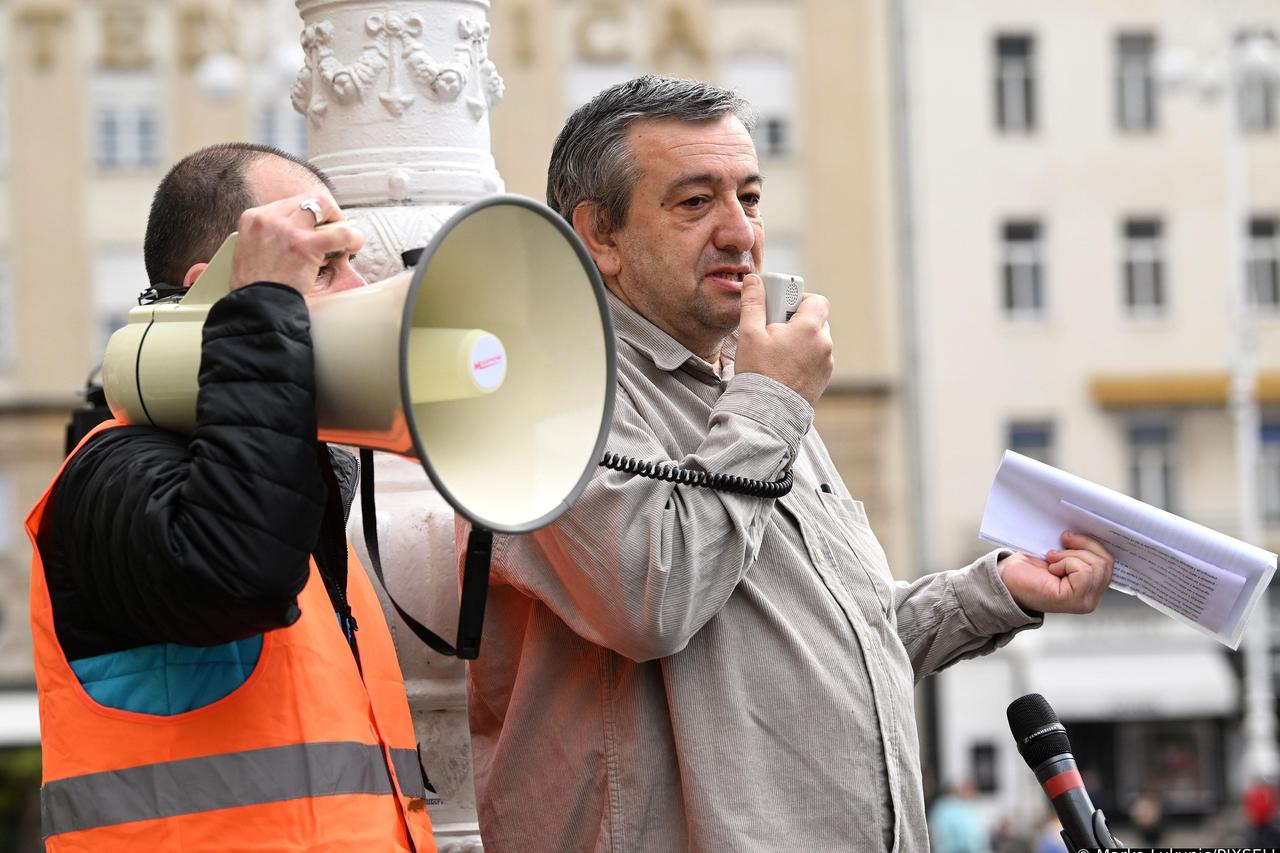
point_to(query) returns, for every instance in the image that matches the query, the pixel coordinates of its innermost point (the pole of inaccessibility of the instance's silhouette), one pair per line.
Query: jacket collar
(663, 350)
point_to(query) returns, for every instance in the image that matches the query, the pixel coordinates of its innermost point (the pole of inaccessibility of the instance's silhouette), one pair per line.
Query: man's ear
(597, 233)
(193, 274)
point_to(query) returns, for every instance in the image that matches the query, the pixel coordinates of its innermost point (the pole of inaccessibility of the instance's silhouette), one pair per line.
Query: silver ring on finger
(312, 206)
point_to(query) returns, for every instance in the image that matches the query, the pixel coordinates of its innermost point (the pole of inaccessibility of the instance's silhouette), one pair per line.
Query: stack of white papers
(1198, 576)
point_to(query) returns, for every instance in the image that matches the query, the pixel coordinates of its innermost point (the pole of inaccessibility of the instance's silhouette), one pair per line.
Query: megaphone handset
(783, 293)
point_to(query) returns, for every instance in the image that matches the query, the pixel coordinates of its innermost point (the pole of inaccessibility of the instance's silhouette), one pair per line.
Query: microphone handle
(1083, 826)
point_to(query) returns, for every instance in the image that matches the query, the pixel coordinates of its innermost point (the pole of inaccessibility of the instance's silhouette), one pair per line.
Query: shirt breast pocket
(851, 520)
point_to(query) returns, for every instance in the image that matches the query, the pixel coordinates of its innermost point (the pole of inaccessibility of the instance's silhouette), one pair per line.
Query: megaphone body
(491, 362)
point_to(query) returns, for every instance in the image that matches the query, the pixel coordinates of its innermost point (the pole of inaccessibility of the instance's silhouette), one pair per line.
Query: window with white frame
(1263, 261)
(8, 314)
(1135, 82)
(125, 110)
(118, 276)
(275, 122)
(284, 129)
(1258, 88)
(1144, 290)
(1015, 83)
(9, 510)
(4, 126)
(1151, 462)
(768, 82)
(1269, 473)
(586, 79)
(1022, 269)
(1033, 439)
(783, 253)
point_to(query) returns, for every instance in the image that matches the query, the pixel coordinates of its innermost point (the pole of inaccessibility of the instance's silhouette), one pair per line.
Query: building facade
(1073, 242)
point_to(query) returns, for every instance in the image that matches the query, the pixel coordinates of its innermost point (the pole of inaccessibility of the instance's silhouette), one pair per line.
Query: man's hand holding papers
(1066, 581)
(1196, 575)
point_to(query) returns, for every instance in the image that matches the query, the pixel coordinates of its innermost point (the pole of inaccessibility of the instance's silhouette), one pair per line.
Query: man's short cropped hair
(199, 203)
(592, 160)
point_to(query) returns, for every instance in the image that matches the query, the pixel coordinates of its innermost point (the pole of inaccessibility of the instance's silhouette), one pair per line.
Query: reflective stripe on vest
(409, 773)
(226, 780)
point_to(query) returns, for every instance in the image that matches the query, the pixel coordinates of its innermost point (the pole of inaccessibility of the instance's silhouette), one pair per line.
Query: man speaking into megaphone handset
(213, 668)
(708, 650)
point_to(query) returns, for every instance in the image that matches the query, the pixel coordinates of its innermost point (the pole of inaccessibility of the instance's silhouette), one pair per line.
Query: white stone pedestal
(397, 96)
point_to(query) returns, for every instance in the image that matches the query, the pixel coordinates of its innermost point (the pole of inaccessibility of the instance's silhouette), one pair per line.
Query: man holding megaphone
(213, 667)
(674, 667)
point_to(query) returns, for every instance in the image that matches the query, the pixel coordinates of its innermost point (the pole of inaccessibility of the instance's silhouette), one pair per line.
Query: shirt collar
(665, 351)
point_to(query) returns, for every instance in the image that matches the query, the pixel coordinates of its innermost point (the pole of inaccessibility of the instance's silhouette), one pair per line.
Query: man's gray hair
(592, 160)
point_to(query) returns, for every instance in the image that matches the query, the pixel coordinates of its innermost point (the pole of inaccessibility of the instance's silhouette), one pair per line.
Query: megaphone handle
(475, 590)
(475, 583)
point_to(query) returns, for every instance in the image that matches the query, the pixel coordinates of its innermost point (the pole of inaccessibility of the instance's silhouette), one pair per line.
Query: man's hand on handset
(797, 353)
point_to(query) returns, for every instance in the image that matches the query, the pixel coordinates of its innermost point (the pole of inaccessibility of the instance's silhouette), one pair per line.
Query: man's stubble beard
(692, 317)
(704, 311)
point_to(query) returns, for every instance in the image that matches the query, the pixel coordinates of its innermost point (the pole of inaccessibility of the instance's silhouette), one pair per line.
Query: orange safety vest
(311, 752)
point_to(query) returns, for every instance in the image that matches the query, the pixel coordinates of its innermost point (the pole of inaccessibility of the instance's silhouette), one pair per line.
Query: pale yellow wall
(851, 226)
(48, 174)
(524, 47)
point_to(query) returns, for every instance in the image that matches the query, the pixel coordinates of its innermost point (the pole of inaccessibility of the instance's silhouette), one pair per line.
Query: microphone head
(1037, 730)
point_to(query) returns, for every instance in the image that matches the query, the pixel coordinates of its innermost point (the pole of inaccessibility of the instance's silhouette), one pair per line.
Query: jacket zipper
(345, 618)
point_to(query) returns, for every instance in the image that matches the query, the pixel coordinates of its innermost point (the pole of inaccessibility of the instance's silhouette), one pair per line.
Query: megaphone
(491, 362)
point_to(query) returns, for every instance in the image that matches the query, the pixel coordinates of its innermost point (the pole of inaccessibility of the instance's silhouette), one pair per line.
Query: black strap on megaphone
(475, 576)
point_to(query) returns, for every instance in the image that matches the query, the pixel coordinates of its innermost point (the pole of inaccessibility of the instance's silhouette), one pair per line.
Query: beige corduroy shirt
(671, 668)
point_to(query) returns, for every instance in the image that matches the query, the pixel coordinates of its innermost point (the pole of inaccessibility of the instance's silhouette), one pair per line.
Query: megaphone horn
(491, 362)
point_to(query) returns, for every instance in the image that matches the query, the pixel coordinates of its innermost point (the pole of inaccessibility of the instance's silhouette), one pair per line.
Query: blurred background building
(1074, 249)
(1024, 235)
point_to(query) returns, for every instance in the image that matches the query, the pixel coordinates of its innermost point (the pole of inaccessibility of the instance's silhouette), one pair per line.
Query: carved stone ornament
(391, 230)
(488, 88)
(393, 52)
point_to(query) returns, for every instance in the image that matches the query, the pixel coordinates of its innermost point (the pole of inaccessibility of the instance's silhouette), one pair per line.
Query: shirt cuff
(986, 601)
(770, 404)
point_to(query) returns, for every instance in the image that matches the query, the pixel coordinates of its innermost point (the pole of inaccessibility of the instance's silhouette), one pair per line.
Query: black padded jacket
(152, 537)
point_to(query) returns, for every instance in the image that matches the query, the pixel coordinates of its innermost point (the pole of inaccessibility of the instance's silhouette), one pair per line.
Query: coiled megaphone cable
(673, 473)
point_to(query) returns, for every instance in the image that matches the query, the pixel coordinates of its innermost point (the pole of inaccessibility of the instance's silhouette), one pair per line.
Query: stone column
(398, 97)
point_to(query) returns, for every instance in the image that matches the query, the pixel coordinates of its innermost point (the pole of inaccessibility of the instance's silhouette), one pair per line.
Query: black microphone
(1044, 745)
